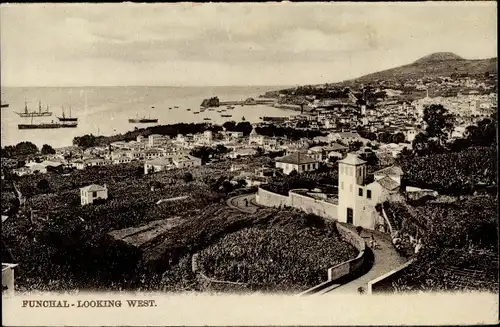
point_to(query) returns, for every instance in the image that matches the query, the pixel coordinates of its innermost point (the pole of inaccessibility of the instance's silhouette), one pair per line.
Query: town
(371, 166)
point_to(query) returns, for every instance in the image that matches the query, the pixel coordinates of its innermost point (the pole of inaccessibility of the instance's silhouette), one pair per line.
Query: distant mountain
(434, 65)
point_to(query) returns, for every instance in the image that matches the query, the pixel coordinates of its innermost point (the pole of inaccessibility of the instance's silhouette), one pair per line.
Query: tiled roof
(93, 188)
(296, 158)
(352, 159)
(335, 147)
(388, 183)
(390, 171)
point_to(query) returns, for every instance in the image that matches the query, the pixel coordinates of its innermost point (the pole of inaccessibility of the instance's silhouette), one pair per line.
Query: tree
(398, 138)
(85, 141)
(355, 146)
(422, 145)
(47, 149)
(43, 185)
(384, 137)
(260, 151)
(229, 126)
(438, 122)
(221, 149)
(188, 177)
(244, 127)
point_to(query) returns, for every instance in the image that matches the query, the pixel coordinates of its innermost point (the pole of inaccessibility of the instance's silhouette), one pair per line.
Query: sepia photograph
(312, 150)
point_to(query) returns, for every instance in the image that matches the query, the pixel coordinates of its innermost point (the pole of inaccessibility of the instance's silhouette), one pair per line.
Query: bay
(106, 110)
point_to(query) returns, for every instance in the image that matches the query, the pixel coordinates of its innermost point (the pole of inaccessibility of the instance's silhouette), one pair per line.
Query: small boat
(206, 118)
(230, 107)
(211, 109)
(196, 112)
(188, 109)
(5, 105)
(170, 108)
(226, 115)
(176, 106)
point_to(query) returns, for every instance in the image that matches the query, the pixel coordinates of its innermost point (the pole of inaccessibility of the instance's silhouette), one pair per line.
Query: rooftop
(352, 159)
(93, 188)
(297, 158)
(388, 183)
(390, 171)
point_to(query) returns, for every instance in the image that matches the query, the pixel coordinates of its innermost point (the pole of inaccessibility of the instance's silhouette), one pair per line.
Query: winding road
(382, 259)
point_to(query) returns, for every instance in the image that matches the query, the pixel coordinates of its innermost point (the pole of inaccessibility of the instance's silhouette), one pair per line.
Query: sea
(106, 110)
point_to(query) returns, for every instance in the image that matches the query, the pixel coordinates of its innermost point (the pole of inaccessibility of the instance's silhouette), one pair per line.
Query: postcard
(225, 164)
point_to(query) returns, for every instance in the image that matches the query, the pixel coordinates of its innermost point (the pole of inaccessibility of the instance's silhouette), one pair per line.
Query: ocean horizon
(105, 110)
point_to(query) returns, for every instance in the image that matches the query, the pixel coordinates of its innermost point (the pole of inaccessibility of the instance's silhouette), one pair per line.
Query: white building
(357, 200)
(346, 137)
(255, 138)
(204, 138)
(158, 164)
(297, 161)
(184, 161)
(8, 278)
(410, 134)
(156, 140)
(241, 152)
(90, 193)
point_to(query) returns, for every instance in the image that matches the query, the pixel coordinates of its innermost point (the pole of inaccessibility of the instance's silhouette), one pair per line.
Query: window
(360, 192)
(94, 194)
(368, 194)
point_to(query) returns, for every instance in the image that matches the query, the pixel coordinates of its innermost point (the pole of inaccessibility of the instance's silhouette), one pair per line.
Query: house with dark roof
(297, 161)
(90, 193)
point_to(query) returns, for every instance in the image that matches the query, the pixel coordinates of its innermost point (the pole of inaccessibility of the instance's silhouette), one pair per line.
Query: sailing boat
(40, 113)
(64, 118)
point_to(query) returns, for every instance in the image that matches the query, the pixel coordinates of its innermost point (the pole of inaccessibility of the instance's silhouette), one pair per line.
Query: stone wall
(270, 199)
(305, 203)
(353, 265)
(383, 284)
(310, 205)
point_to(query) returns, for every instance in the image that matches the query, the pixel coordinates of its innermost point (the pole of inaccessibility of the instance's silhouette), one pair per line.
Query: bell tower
(352, 173)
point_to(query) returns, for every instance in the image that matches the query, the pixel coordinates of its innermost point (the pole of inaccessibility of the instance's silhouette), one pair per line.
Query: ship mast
(62, 109)
(39, 106)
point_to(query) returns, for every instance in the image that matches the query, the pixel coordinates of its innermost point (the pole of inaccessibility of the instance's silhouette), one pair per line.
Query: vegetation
(452, 173)
(460, 245)
(47, 149)
(20, 149)
(290, 253)
(172, 130)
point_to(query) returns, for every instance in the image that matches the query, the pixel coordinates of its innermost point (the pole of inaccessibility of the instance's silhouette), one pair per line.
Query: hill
(432, 66)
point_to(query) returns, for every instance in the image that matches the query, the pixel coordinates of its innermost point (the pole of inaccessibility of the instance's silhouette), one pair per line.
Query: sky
(194, 44)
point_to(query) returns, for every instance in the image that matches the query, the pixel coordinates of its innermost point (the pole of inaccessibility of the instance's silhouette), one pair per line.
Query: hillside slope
(434, 65)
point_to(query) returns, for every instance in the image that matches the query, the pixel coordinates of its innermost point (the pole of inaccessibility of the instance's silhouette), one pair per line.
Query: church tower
(352, 173)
